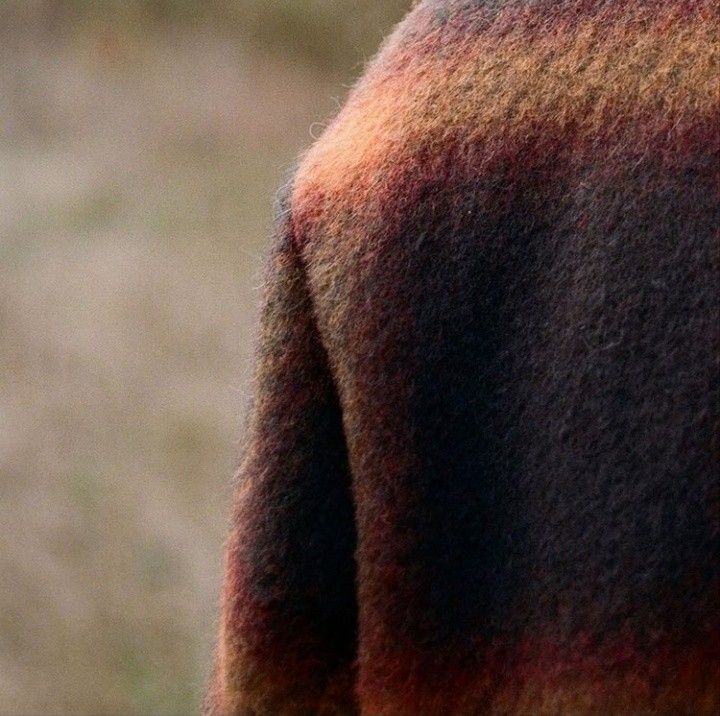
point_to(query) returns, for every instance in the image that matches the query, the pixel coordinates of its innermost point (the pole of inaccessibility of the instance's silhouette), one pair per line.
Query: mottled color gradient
(482, 466)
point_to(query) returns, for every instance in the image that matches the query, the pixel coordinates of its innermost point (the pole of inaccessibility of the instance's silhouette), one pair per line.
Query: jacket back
(481, 466)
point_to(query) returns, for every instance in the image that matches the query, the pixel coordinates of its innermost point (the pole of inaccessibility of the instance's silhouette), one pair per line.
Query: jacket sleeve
(288, 612)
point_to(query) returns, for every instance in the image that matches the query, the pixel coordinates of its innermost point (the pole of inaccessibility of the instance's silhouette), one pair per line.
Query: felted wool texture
(481, 471)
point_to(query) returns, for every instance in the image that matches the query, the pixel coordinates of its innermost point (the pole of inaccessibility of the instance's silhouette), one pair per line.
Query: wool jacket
(481, 467)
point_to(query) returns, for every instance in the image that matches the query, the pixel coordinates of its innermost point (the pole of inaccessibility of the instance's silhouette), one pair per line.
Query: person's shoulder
(468, 80)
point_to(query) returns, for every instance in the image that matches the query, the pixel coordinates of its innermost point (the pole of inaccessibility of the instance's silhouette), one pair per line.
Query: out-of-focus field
(140, 147)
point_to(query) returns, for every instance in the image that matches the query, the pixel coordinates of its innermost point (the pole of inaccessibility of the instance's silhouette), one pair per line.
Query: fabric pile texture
(480, 472)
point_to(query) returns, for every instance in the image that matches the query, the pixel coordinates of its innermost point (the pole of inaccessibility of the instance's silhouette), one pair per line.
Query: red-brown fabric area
(480, 472)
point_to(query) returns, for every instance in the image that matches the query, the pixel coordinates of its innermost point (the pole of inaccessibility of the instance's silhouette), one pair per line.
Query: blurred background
(141, 143)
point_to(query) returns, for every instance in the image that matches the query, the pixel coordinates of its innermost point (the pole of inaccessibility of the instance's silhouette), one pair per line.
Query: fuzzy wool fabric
(481, 470)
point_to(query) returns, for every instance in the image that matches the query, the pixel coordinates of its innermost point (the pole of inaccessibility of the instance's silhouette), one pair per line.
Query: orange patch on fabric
(585, 77)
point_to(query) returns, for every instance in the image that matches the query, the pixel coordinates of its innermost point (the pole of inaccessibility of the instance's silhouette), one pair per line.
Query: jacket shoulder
(463, 86)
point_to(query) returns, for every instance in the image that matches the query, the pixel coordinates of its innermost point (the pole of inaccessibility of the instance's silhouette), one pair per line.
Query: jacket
(481, 467)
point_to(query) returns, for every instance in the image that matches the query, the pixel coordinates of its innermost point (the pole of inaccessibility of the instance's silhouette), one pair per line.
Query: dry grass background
(140, 147)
